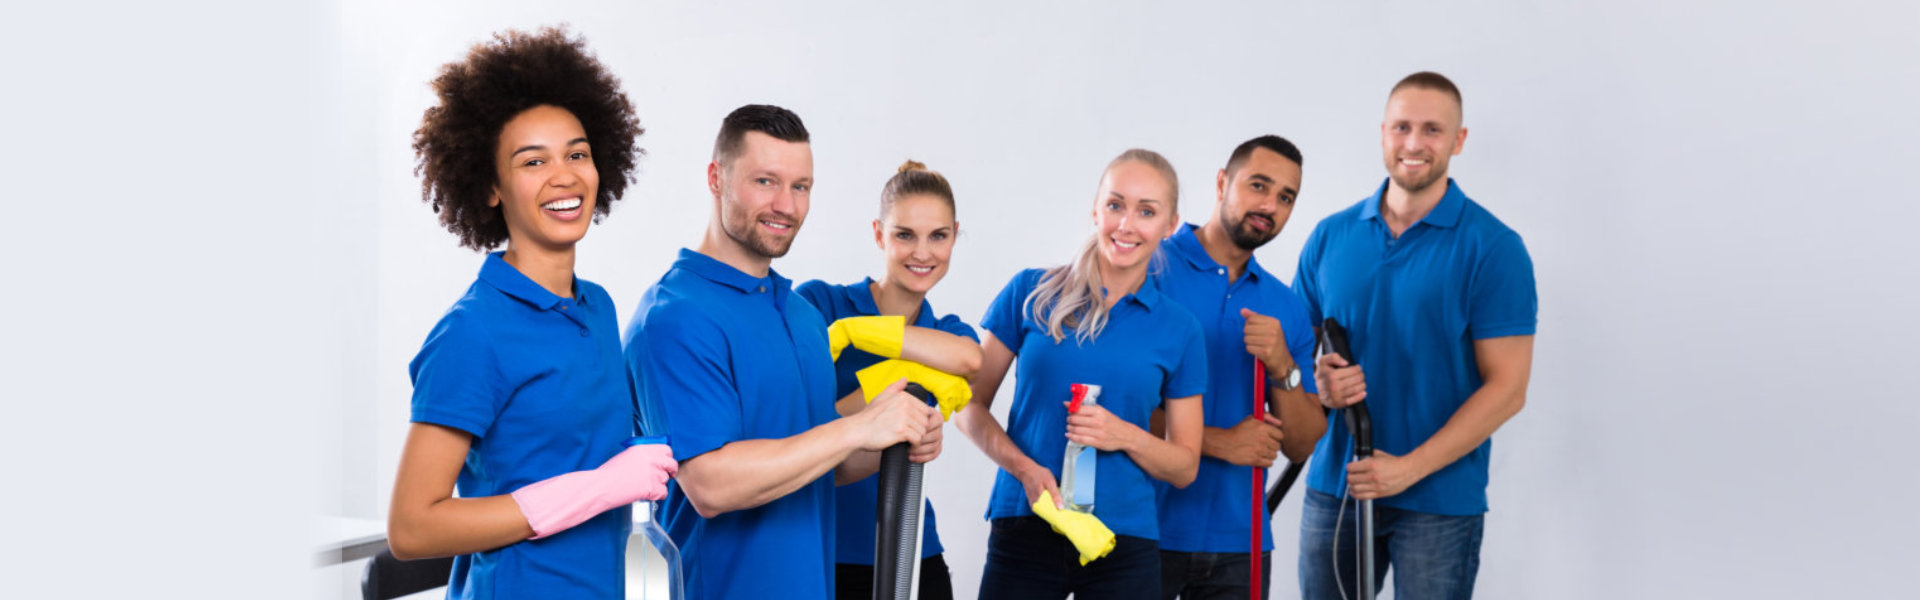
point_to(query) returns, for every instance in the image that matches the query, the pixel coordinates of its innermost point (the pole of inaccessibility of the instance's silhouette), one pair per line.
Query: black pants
(1211, 576)
(1026, 560)
(855, 582)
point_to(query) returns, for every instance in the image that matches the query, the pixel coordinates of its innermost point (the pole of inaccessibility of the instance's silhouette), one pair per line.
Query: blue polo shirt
(1151, 350)
(1412, 308)
(858, 501)
(536, 379)
(1214, 513)
(721, 356)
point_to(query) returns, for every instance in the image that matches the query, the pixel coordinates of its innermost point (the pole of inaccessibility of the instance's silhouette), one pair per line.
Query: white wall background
(1717, 197)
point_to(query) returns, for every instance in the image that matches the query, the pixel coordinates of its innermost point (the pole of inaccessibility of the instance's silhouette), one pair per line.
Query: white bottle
(653, 561)
(1079, 471)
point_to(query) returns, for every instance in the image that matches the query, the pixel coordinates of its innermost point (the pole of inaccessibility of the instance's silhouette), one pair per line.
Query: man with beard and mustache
(1437, 297)
(735, 369)
(1248, 315)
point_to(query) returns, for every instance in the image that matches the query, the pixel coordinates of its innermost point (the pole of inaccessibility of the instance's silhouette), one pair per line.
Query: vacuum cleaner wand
(898, 521)
(1360, 427)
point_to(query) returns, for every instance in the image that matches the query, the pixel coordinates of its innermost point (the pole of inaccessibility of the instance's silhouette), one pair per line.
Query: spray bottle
(653, 561)
(1079, 472)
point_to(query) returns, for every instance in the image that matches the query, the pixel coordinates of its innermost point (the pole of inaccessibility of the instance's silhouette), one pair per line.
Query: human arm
(979, 425)
(424, 520)
(1172, 456)
(945, 352)
(1174, 459)
(849, 404)
(1505, 365)
(1300, 416)
(748, 473)
(1250, 443)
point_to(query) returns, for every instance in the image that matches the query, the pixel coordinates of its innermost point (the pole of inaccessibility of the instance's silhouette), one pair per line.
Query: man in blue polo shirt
(1246, 314)
(1437, 297)
(735, 368)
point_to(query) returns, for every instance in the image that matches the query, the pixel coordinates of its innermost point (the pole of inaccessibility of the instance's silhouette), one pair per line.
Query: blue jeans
(1433, 557)
(1026, 559)
(1211, 575)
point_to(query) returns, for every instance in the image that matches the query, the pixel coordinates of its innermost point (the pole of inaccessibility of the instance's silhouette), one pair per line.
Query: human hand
(641, 472)
(879, 335)
(929, 446)
(1340, 385)
(558, 503)
(950, 392)
(1250, 443)
(1266, 341)
(1381, 475)
(1095, 426)
(892, 417)
(1036, 479)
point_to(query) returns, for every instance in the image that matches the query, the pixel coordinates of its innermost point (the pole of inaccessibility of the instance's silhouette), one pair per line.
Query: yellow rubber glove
(1088, 534)
(951, 392)
(880, 336)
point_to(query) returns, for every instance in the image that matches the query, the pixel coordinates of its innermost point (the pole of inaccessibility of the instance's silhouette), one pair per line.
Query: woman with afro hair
(521, 402)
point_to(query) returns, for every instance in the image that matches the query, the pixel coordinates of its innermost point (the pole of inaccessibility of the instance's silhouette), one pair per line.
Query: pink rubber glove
(637, 473)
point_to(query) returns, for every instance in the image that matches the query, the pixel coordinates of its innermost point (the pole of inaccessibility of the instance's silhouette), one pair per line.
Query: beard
(746, 231)
(1246, 237)
(1436, 172)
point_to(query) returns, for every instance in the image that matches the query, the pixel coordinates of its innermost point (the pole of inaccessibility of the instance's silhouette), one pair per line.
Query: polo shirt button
(1223, 271)
(760, 290)
(583, 333)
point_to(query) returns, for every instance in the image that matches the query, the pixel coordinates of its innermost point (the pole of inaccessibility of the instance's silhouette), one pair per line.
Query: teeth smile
(1126, 246)
(563, 204)
(781, 226)
(920, 270)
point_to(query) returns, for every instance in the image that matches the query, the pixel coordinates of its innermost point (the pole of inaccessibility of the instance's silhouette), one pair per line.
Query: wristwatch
(1291, 381)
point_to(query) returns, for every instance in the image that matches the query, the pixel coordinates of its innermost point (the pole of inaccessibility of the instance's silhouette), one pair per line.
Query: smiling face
(1133, 212)
(1420, 134)
(917, 236)
(1257, 198)
(763, 193)
(546, 181)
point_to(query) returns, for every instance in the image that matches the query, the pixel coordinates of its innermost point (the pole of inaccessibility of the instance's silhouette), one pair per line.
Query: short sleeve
(1006, 317)
(820, 295)
(954, 325)
(1501, 294)
(1306, 278)
(456, 376)
(678, 357)
(1189, 377)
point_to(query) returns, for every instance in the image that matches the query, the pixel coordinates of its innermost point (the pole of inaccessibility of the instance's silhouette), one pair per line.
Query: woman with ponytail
(1098, 320)
(915, 231)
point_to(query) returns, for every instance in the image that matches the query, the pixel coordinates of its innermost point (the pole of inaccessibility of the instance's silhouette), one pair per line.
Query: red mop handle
(1259, 480)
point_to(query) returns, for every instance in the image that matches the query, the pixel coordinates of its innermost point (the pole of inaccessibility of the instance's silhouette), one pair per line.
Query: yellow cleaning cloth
(950, 391)
(1087, 533)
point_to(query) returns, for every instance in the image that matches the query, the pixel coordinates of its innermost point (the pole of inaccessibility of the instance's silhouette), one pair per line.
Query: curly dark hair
(516, 71)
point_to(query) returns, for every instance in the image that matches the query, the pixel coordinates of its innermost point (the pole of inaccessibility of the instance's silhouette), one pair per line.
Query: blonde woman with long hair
(1098, 320)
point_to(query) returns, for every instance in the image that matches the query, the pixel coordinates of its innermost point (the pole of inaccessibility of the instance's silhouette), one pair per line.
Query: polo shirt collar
(861, 295)
(1444, 214)
(1148, 295)
(510, 281)
(712, 269)
(1186, 243)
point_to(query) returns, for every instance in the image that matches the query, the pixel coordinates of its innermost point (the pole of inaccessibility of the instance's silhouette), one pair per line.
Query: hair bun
(911, 165)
